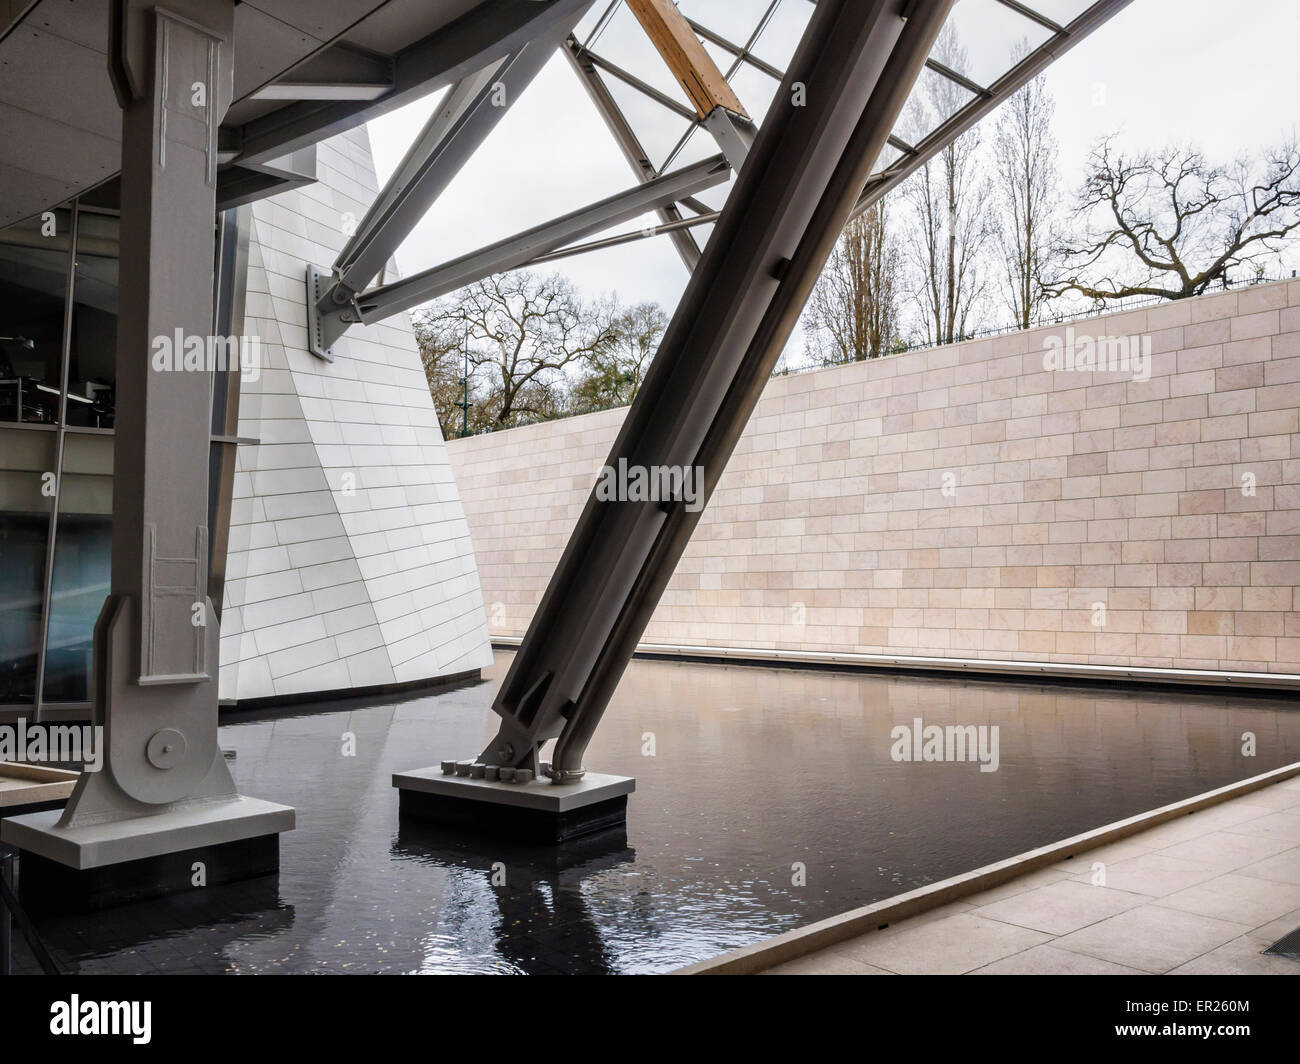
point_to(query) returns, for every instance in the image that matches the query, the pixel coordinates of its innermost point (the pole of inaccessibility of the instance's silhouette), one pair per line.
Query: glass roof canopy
(988, 49)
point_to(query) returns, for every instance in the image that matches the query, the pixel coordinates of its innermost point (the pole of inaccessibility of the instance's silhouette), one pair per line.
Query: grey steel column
(843, 91)
(157, 636)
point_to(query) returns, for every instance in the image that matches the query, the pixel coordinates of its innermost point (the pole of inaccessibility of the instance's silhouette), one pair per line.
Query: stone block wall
(966, 501)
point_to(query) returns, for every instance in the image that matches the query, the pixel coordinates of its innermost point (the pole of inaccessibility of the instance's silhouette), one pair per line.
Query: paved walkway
(1203, 894)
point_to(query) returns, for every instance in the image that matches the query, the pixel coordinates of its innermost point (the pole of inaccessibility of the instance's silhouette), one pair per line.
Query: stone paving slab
(1203, 895)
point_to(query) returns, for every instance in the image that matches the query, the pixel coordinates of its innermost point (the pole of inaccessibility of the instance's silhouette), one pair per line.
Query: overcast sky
(1223, 76)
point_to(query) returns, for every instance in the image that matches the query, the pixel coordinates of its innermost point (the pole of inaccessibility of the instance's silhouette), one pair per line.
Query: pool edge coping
(801, 941)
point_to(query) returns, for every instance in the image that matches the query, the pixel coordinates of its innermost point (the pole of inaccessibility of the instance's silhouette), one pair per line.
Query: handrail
(10, 907)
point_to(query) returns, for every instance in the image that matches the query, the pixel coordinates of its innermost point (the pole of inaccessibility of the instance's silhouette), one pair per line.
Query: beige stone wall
(831, 530)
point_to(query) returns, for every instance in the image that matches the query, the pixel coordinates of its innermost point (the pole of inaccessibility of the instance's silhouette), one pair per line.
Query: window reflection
(82, 551)
(91, 359)
(33, 284)
(26, 497)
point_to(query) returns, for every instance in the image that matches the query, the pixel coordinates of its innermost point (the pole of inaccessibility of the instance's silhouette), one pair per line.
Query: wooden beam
(691, 65)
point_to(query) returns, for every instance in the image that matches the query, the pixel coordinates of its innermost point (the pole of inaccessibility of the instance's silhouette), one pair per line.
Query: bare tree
(1169, 224)
(853, 310)
(1024, 164)
(948, 196)
(613, 374)
(441, 344)
(525, 331)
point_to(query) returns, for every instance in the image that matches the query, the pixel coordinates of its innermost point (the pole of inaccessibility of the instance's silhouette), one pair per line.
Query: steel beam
(626, 139)
(739, 52)
(857, 62)
(338, 72)
(732, 133)
(238, 184)
(627, 238)
(484, 34)
(523, 248)
(455, 130)
(649, 91)
(968, 115)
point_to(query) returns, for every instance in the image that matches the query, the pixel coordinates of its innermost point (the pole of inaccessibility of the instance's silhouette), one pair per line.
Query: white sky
(1224, 76)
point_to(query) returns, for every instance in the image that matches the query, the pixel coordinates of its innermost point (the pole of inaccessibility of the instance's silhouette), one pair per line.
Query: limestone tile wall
(1090, 517)
(350, 561)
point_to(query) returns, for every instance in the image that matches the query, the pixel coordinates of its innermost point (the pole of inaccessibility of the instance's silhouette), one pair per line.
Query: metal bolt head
(166, 748)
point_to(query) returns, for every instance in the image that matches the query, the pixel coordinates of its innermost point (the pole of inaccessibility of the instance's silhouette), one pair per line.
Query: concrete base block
(93, 866)
(537, 811)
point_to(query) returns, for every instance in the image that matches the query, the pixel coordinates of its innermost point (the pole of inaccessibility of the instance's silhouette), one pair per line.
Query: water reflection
(754, 772)
(530, 898)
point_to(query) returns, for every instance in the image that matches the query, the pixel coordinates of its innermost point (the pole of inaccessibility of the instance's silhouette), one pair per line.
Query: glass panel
(1062, 12)
(82, 550)
(984, 39)
(783, 33)
(33, 288)
(91, 357)
(624, 43)
(26, 497)
(735, 20)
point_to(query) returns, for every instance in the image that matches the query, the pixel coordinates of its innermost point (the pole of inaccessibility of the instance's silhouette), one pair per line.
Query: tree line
(981, 235)
(531, 348)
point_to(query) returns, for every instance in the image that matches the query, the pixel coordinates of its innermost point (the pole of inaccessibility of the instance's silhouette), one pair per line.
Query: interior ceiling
(306, 70)
(60, 124)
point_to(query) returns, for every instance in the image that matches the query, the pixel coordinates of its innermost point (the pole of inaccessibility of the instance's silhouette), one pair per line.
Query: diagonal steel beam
(739, 52)
(856, 64)
(453, 133)
(485, 33)
(627, 238)
(649, 91)
(626, 139)
(972, 112)
(523, 248)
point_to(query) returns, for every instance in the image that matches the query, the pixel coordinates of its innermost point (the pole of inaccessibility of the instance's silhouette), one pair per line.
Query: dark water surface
(754, 771)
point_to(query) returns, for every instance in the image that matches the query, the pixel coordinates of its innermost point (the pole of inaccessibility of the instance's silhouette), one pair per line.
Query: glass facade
(58, 323)
(58, 339)
(79, 576)
(26, 504)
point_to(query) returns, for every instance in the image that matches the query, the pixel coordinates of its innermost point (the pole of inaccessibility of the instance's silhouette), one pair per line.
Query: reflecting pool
(766, 798)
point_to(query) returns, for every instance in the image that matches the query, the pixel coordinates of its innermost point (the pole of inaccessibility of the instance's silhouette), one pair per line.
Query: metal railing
(10, 912)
